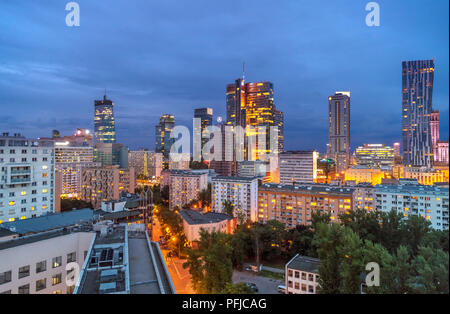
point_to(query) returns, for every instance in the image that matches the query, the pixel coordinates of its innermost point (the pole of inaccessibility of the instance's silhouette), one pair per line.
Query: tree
(238, 288)
(414, 230)
(205, 197)
(228, 208)
(69, 204)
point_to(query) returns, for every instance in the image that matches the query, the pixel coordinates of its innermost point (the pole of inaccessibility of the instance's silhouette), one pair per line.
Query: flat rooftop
(309, 188)
(123, 262)
(304, 263)
(194, 217)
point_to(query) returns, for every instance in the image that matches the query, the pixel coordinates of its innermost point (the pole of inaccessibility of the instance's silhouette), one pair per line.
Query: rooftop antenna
(243, 71)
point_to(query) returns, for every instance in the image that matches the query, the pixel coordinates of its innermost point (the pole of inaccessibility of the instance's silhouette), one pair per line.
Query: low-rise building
(195, 221)
(241, 192)
(302, 275)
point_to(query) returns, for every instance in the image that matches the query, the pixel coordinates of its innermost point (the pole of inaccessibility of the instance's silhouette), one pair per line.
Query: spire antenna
(243, 71)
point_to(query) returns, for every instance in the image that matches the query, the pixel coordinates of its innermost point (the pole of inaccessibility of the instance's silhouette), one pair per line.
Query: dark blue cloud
(171, 56)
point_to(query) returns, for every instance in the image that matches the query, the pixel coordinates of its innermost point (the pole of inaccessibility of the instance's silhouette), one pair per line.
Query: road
(180, 277)
(265, 285)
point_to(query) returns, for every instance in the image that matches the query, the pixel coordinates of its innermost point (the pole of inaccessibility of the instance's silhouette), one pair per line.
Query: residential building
(240, 191)
(27, 178)
(195, 221)
(429, 202)
(294, 205)
(105, 183)
(302, 275)
(417, 108)
(298, 167)
(146, 163)
(339, 130)
(185, 187)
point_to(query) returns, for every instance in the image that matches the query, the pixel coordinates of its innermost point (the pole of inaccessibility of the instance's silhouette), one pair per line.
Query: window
(303, 287)
(41, 266)
(41, 284)
(25, 289)
(311, 289)
(297, 274)
(24, 271)
(5, 277)
(56, 279)
(71, 257)
(57, 292)
(303, 276)
(310, 277)
(56, 261)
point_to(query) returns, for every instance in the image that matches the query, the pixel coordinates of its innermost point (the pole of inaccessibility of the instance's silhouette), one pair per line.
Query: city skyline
(41, 94)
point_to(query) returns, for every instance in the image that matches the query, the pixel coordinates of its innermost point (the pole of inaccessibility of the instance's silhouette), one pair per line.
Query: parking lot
(265, 285)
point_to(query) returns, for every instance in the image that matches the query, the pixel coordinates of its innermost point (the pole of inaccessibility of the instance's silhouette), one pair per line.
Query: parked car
(282, 289)
(252, 286)
(252, 268)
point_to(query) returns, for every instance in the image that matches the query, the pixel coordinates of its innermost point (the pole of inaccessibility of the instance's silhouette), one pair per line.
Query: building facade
(162, 134)
(417, 97)
(146, 163)
(302, 275)
(105, 129)
(375, 155)
(105, 184)
(185, 186)
(294, 205)
(241, 192)
(298, 167)
(339, 129)
(27, 178)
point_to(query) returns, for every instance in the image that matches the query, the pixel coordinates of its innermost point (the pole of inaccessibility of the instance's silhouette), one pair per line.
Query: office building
(105, 129)
(298, 167)
(294, 205)
(206, 117)
(27, 178)
(374, 155)
(429, 202)
(241, 192)
(364, 174)
(339, 129)
(105, 183)
(417, 99)
(302, 275)
(111, 154)
(162, 133)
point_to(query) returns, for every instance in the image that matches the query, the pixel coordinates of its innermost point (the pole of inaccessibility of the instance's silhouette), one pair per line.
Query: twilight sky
(172, 56)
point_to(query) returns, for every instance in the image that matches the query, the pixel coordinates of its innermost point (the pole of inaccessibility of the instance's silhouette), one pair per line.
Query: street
(265, 285)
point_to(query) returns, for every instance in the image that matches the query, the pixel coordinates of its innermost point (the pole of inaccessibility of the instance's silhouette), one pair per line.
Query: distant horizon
(51, 74)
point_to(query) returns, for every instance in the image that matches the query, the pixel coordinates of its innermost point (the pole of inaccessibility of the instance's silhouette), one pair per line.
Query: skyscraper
(434, 126)
(417, 93)
(162, 133)
(339, 129)
(206, 116)
(105, 130)
(252, 105)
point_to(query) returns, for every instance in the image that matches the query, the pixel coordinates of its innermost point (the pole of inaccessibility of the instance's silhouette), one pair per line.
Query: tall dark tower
(339, 129)
(417, 96)
(104, 124)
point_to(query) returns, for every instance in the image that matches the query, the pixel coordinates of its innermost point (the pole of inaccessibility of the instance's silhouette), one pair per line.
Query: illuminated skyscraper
(339, 129)
(162, 133)
(206, 117)
(417, 93)
(105, 130)
(252, 105)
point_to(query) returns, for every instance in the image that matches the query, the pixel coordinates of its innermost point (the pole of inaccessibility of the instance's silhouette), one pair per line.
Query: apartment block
(298, 167)
(302, 275)
(105, 184)
(185, 186)
(27, 177)
(240, 191)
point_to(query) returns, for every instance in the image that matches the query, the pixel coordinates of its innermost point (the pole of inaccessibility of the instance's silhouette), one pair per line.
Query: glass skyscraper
(163, 141)
(105, 129)
(417, 92)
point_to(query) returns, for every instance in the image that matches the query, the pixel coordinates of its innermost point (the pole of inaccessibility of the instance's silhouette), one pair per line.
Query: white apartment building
(26, 178)
(298, 167)
(241, 192)
(364, 197)
(36, 264)
(430, 202)
(302, 275)
(185, 186)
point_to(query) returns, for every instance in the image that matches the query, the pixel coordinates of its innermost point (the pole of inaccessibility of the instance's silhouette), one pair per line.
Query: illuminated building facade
(298, 167)
(294, 205)
(240, 191)
(163, 140)
(442, 153)
(105, 184)
(427, 176)
(363, 174)
(339, 129)
(206, 117)
(146, 163)
(27, 174)
(105, 129)
(434, 127)
(185, 186)
(429, 202)
(251, 106)
(374, 155)
(326, 171)
(417, 93)
(397, 154)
